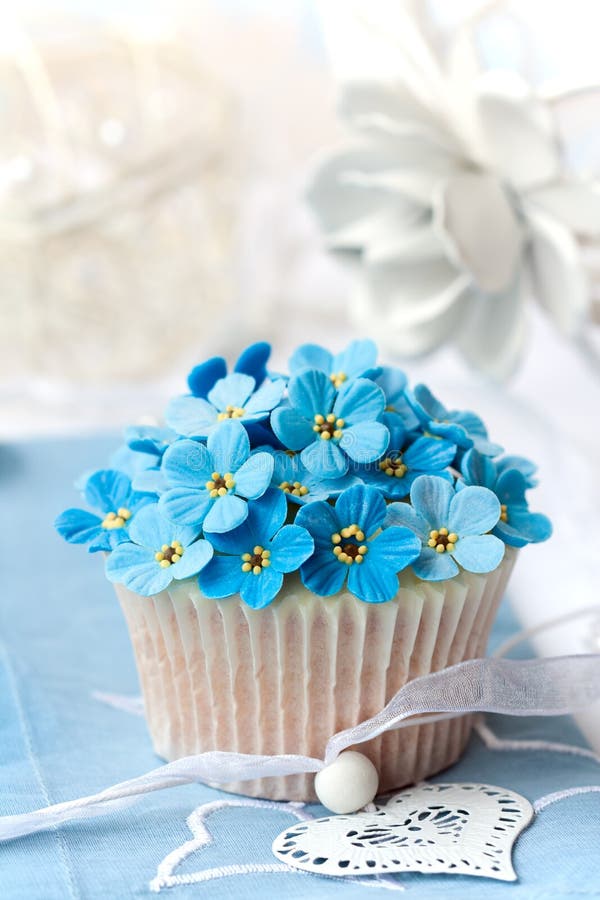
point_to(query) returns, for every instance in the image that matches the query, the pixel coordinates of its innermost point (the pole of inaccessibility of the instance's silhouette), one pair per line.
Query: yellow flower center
(294, 487)
(116, 519)
(338, 378)
(219, 485)
(256, 561)
(231, 412)
(441, 541)
(169, 554)
(347, 546)
(503, 512)
(328, 426)
(393, 466)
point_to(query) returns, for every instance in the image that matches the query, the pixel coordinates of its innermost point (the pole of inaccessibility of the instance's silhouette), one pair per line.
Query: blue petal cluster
(509, 479)
(452, 527)
(338, 471)
(110, 492)
(254, 558)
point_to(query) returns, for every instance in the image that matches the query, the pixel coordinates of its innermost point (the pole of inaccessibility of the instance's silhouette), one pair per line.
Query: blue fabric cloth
(62, 638)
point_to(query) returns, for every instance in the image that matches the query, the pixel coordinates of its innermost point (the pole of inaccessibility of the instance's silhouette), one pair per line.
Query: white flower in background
(458, 207)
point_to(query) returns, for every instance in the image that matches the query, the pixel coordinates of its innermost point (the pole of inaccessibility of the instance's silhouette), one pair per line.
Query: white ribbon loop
(533, 687)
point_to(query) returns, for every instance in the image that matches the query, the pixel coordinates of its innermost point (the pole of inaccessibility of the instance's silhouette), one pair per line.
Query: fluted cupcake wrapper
(217, 675)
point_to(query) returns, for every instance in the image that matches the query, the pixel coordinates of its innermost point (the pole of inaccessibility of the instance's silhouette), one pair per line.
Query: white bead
(348, 784)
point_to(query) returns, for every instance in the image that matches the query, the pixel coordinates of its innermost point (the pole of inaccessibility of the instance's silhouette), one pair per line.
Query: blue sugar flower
(358, 359)
(330, 426)
(452, 527)
(517, 526)
(257, 554)
(523, 465)
(149, 439)
(465, 429)
(110, 492)
(349, 542)
(157, 552)
(210, 485)
(398, 414)
(252, 361)
(395, 473)
(232, 397)
(141, 456)
(301, 486)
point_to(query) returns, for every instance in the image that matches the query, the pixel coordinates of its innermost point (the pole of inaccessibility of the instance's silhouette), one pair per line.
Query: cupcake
(289, 551)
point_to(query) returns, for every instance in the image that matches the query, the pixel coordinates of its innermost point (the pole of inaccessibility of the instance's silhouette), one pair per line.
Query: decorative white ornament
(463, 829)
(348, 783)
(454, 195)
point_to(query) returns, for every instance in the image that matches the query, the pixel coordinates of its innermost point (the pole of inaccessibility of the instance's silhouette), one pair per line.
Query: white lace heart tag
(464, 829)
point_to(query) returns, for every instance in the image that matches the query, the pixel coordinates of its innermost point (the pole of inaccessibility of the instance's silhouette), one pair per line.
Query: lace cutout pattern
(466, 829)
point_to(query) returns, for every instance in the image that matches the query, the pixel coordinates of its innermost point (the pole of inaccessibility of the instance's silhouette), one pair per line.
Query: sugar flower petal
(311, 356)
(259, 590)
(292, 428)
(233, 390)
(371, 583)
(187, 464)
(151, 529)
(191, 416)
(265, 398)
(523, 527)
(254, 477)
(187, 506)
(359, 400)
(195, 557)
(325, 459)
(365, 441)
(107, 489)
(312, 393)
(362, 506)
(253, 361)
(478, 553)
(431, 497)
(395, 547)
(429, 454)
(290, 547)
(432, 566)
(473, 511)
(321, 521)
(136, 568)
(203, 377)
(78, 526)
(359, 356)
(221, 577)
(323, 574)
(229, 446)
(225, 514)
(406, 515)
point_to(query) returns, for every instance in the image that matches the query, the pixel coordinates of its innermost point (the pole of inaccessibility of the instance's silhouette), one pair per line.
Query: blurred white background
(153, 161)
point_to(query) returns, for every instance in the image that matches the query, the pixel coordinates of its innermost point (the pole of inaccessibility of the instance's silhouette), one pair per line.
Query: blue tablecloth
(62, 638)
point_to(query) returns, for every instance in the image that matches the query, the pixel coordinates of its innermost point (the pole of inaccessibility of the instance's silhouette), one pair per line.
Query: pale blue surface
(62, 637)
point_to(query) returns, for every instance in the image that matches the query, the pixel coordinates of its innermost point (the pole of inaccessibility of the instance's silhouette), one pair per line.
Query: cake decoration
(376, 477)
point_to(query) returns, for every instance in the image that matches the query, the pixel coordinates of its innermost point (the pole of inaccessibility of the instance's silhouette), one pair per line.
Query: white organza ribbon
(533, 687)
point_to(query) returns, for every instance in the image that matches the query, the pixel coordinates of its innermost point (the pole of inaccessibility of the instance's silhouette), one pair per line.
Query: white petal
(484, 235)
(517, 130)
(557, 273)
(576, 205)
(413, 242)
(493, 332)
(411, 307)
(343, 201)
(576, 114)
(391, 101)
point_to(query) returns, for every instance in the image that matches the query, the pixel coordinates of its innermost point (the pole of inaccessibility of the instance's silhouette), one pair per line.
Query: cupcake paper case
(299, 549)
